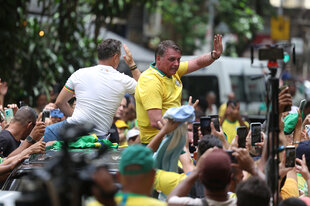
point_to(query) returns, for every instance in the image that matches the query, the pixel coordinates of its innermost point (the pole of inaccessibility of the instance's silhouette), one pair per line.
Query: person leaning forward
(160, 86)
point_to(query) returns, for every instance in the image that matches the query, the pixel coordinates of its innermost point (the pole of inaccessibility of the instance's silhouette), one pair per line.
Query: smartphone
(242, 133)
(290, 155)
(216, 122)
(232, 158)
(45, 114)
(196, 126)
(307, 128)
(8, 114)
(301, 107)
(205, 125)
(256, 128)
(56, 113)
(286, 108)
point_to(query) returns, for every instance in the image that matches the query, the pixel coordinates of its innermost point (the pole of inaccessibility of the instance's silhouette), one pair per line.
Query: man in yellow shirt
(160, 86)
(137, 173)
(231, 120)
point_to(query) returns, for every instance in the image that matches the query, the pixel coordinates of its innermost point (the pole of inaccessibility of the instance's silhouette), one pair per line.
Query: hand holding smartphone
(290, 156)
(205, 125)
(216, 122)
(242, 134)
(255, 133)
(8, 114)
(232, 157)
(45, 114)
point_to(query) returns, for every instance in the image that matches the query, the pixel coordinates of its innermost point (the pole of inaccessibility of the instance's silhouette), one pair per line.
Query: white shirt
(175, 200)
(99, 91)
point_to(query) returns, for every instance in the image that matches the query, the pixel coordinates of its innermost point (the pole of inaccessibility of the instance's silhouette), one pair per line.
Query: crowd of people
(161, 162)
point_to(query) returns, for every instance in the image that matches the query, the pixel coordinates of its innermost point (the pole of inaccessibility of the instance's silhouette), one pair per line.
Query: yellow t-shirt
(155, 90)
(302, 184)
(131, 199)
(289, 189)
(167, 181)
(222, 109)
(230, 129)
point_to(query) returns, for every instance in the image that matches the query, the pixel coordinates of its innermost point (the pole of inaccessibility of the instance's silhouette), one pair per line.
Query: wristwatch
(30, 140)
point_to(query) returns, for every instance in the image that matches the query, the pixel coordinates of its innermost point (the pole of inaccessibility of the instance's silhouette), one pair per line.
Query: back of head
(304, 148)
(233, 103)
(25, 115)
(293, 201)
(164, 45)
(108, 48)
(215, 172)
(135, 160)
(208, 141)
(254, 191)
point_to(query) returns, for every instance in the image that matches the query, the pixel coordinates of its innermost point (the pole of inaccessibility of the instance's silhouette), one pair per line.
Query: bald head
(231, 96)
(25, 115)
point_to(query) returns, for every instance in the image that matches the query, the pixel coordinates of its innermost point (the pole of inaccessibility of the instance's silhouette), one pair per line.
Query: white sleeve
(184, 201)
(129, 84)
(72, 81)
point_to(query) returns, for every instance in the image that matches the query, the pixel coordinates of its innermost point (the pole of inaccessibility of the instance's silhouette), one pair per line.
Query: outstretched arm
(209, 58)
(131, 63)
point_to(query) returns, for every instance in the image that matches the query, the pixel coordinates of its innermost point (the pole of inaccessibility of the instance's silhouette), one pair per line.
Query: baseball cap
(290, 122)
(304, 148)
(120, 124)
(136, 155)
(132, 133)
(215, 172)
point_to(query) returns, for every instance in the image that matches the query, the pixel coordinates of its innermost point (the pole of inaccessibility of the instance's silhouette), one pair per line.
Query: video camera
(66, 178)
(273, 52)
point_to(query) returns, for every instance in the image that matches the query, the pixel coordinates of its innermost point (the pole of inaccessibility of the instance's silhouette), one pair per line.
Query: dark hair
(208, 141)
(293, 201)
(164, 45)
(108, 48)
(24, 115)
(232, 102)
(254, 191)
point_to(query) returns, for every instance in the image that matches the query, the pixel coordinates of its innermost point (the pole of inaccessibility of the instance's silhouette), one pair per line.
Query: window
(198, 86)
(246, 89)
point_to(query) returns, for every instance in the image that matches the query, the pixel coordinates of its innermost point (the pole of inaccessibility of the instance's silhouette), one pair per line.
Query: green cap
(136, 155)
(290, 122)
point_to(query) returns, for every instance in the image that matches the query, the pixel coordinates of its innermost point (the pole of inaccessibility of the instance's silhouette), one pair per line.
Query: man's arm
(155, 116)
(131, 63)
(36, 133)
(207, 59)
(62, 102)
(167, 128)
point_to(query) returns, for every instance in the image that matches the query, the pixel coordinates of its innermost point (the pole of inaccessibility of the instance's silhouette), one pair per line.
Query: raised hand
(128, 57)
(218, 46)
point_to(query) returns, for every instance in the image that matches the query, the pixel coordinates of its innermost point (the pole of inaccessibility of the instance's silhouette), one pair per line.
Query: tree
(242, 20)
(42, 48)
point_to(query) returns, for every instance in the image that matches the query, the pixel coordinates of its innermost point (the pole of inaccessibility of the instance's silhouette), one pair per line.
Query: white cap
(131, 133)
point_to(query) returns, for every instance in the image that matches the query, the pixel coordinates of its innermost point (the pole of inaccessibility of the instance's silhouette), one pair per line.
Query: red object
(272, 64)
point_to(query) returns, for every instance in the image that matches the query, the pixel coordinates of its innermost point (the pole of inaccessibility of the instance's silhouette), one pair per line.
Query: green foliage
(31, 63)
(242, 20)
(184, 22)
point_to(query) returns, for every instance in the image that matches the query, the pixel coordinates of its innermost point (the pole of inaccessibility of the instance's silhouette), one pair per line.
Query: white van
(225, 75)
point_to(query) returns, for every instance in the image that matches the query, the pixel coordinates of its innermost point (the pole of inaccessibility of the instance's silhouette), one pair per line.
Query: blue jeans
(52, 131)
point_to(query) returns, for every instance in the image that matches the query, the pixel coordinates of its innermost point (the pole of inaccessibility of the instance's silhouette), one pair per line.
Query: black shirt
(7, 143)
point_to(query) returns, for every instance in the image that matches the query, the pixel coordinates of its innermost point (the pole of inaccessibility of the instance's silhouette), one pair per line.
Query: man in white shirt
(98, 91)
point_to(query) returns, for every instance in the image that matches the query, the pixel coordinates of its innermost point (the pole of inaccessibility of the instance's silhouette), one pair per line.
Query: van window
(198, 86)
(246, 89)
